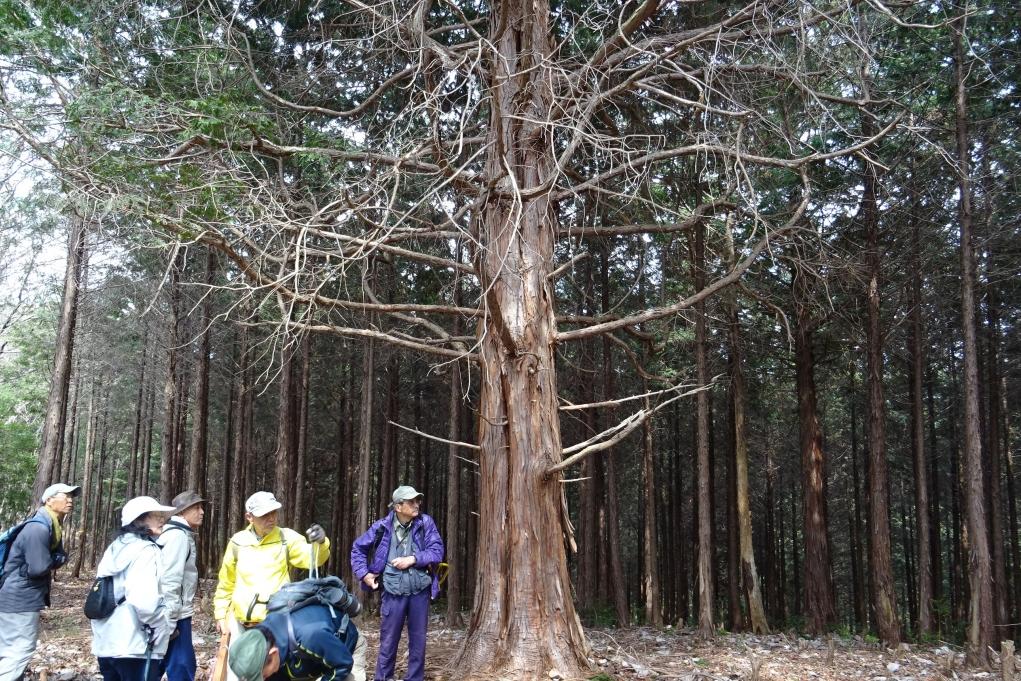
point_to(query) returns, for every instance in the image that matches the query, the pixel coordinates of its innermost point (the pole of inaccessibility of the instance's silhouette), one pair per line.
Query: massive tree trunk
(981, 617)
(884, 597)
(52, 442)
(820, 608)
(523, 623)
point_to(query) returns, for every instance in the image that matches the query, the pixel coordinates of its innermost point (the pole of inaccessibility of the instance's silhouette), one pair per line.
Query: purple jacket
(423, 533)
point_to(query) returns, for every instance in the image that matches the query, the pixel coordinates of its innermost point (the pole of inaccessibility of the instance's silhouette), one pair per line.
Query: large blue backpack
(7, 541)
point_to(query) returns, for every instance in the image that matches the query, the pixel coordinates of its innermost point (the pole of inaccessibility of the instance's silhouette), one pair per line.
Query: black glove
(315, 533)
(59, 558)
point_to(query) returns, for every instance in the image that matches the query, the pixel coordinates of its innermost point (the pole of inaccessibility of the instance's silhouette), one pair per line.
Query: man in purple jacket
(399, 552)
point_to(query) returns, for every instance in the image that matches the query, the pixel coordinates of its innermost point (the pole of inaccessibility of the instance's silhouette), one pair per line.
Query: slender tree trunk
(981, 635)
(242, 433)
(303, 515)
(134, 465)
(200, 425)
(67, 470)
(884, 596)
(650, 572)
(857, 573)
(994, 419)
(51, 444)
(362, 518)
(935, 543)
(87, 518)
(452, 534)
(706, 577)
(819, 608)
(170, 393)
(922, 511)
(286, 453)
(738, 397)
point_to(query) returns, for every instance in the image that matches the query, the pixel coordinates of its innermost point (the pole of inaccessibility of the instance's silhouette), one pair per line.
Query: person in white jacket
(132, 641)
(180, 579)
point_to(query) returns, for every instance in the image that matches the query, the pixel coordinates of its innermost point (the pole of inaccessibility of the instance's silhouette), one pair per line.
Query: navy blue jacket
(313, 646)
(27, 572)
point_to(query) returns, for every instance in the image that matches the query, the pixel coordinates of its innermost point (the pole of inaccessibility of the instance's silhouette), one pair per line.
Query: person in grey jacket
(31, 559)
(131, 642)
(180, 578)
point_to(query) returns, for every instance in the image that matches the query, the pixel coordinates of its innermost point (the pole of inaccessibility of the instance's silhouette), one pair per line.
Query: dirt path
(639, 653)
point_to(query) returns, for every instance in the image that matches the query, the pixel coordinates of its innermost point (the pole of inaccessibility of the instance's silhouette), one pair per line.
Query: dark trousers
(128, 669)
(179, 664)
(394, 610)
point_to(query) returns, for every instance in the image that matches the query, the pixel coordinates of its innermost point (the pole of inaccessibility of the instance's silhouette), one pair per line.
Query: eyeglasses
(416, 502)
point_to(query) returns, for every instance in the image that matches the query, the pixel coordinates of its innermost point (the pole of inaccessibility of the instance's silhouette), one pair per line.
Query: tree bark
(884, 596)
(524, 622)
(286, 453)
(87, 519)
(819, 605)
(981, 635)
(134, 464)
(738, 397)
(650, 568)
(452, 537)
(362, 519)
(302, 514)
(706, 577)
(51, 445)
(200, 424)
(170, 393)
(922, 511)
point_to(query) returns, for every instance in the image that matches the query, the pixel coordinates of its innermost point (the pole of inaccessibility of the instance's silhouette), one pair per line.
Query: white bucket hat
(261, 503)
(139, 506)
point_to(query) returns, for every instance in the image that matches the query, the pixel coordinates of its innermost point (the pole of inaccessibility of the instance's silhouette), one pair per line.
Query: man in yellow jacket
(257, 563)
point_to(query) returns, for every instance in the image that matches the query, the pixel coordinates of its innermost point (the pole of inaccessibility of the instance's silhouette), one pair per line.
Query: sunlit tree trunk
(51, 445)
(523, 623)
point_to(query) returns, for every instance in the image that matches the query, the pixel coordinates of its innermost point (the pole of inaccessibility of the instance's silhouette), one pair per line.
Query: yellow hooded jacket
(253, 569)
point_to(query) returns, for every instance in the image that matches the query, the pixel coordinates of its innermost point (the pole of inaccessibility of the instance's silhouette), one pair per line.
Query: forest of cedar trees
(701, 314)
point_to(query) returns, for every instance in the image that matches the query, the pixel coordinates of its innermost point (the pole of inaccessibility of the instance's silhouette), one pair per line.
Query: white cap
(139, 506)
(261, 503)
(60, 488)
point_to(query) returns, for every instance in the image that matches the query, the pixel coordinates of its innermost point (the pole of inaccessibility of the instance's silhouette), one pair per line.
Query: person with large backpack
(130, 639)
(400, 553)
(180, 579)
(308, 634)
(29, 553)
(258, 561)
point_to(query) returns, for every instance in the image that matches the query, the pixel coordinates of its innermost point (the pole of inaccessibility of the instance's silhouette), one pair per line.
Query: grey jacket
(180, 575)
(26, 586)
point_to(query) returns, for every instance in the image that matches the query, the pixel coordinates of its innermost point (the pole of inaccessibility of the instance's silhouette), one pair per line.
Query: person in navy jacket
(313, 642)
(399, 553)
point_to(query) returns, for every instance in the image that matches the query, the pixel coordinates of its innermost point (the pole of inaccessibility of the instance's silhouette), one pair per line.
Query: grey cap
(60, 488)
(186, 499)
(403, 493)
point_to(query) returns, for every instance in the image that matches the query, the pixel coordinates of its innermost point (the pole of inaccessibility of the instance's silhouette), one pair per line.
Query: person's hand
(403, 563)
(370, 581)
(222, 627)
(59, 560)
(315, 533)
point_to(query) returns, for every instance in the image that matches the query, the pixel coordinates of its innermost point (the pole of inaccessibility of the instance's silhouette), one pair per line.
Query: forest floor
(637, 653)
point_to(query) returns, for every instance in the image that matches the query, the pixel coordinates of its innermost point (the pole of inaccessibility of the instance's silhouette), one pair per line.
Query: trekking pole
(313, 562)
(148, 652)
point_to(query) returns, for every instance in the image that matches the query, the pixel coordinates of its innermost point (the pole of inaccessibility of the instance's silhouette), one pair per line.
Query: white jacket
(136, 566)
(180, 574)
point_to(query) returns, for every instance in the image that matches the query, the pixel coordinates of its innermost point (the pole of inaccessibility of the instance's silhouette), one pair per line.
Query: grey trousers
(18, 637)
